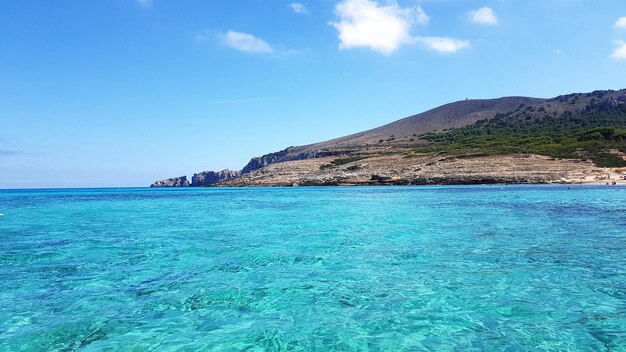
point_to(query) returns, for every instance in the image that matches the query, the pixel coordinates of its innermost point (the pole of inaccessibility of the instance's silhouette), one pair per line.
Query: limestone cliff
(289, 154)
(207, 178)
(172, 182)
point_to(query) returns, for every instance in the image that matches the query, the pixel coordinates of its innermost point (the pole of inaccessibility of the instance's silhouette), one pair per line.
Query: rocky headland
(575, 138)
(172, 182)
(207, 178)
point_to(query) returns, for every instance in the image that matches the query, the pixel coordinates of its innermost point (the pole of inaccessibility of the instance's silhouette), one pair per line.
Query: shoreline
(397, 169)
(585, 184)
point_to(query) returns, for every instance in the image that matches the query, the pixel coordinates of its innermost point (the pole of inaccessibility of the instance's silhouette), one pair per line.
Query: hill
(580, 133)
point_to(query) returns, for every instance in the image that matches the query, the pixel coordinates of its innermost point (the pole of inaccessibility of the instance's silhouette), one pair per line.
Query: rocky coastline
(398, 153)
(208, 178)
(201, 179)
(172, 182)
(398, 169)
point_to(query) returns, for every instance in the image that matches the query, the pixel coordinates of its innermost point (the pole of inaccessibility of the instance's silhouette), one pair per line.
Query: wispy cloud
(385, 27)
(443, 45)
(299, 8)
(484, 16)
(12, 152)
(620, 51)
(620, 23)
(246, 42)
(9, 152)
(5, 152)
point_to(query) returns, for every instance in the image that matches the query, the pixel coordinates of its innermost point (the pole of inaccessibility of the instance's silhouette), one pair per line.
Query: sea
(416, 268)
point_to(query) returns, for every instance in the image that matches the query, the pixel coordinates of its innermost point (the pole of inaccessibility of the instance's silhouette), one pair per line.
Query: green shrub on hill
(339, 162)
(582, 135)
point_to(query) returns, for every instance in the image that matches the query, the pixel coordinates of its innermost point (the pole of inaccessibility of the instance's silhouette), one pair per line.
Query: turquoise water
(485, 268)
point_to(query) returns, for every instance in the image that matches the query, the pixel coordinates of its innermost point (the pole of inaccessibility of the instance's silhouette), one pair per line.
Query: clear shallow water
(349, 269)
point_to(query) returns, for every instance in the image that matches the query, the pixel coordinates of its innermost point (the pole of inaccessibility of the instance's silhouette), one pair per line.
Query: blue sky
(124, 92)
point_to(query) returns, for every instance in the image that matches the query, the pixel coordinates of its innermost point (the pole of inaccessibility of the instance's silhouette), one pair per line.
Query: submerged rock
(172, 182)
(207, 178)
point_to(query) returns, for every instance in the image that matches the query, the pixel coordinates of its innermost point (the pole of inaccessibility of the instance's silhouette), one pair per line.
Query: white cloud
(383, 28)
(421, 16)
(620, 23)
(299, 8)
(485, 16)
(246, 42)
(443, 45)
(620, 52)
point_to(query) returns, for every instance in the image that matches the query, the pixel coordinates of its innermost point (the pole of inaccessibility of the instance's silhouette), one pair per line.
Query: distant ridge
(452, 115)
